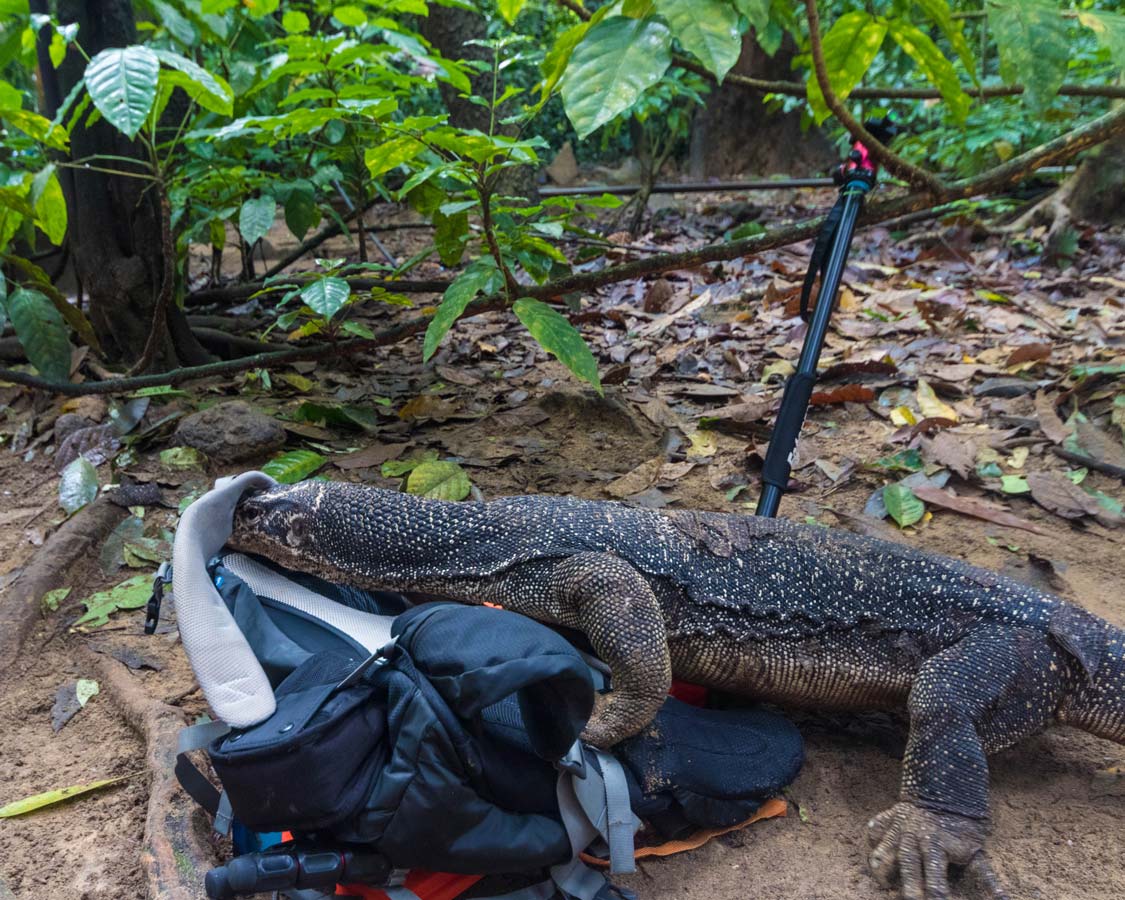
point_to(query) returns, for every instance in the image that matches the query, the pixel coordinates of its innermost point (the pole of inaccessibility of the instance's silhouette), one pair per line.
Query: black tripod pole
(798, 390)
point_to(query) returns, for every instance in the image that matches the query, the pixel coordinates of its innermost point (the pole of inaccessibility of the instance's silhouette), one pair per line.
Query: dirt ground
(1059, 801)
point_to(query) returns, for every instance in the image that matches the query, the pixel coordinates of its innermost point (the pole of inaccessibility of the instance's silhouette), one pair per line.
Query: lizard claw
(918, 845)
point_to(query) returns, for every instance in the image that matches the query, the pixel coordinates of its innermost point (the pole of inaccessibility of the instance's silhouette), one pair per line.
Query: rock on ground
(231, 432)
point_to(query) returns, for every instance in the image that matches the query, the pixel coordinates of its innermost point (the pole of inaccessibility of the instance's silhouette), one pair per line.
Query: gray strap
(620, 823)
(574, 878)
(196, 737)
(224, 816)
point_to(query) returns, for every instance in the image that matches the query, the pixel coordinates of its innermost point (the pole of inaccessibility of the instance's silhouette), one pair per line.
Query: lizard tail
(1097, 704)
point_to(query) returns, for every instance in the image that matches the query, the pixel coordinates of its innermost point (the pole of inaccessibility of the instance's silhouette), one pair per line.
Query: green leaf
(295, 22)
(939, 12)
(133, 593)
(49, 798)
(932, 62)
(850, 46)
(388, 155)
(394, 468)
(1031, 37)
(182, 458)
(256, 218)
(904, 507)
(1014, 484)
(453, 302)
(85, 689)
(210, 91)
(1110, 30)
(557, 336)
(50, 204)
(42, 332)
(450, 232)
(326, 296)
(52, 599)
(616, 61)
(706, 28)
(350, 15)
(294, 465)
(122, 83)
(78, 485)
(509, 9)
(439, 480)
(301, 212)
(757, 11)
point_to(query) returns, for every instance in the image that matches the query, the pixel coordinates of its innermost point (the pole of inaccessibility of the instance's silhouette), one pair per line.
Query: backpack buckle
(162, 577)
(378, 658)
(574, 763)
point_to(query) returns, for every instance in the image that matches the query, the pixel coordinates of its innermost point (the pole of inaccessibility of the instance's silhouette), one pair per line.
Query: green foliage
(1032, 39)
(905, 508)
(850, 46)
(244, 110)
(293, 465)
(612, 66)
(559, 338)
(122, 83)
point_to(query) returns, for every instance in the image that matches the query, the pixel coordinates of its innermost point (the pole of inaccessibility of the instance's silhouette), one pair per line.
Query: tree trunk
(449, 29)
(1098, 194)
(114, 229)
(735, 134)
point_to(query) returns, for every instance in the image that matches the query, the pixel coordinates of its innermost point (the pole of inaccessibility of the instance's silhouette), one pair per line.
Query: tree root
(175, 854)
(1052, 211)
(49, 569)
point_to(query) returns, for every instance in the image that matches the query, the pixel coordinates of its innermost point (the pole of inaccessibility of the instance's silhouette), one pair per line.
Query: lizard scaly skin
(781, 612)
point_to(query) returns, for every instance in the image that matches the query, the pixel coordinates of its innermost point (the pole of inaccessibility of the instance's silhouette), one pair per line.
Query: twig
(893, 163)
(1083, 460)
(328, 231)
(998, 178)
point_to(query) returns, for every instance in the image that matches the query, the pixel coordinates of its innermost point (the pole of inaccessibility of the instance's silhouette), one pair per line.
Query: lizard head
(278, 523)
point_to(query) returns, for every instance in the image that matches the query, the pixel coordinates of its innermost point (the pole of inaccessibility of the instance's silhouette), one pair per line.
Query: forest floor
(951, 362)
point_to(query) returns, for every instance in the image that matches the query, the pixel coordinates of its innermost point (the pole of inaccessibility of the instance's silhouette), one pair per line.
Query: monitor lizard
(786, 613)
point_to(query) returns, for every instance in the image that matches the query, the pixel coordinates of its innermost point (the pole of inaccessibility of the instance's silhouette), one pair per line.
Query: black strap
(819, 259)
(190, 778)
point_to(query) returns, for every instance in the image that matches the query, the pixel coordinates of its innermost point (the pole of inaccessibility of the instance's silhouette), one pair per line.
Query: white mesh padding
(225, 666)
(368, 629)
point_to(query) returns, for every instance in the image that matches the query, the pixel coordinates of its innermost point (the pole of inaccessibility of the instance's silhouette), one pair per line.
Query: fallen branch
(20, 601)
(241, 292)
(1090, 462)
(1000, 177)
(174, 856)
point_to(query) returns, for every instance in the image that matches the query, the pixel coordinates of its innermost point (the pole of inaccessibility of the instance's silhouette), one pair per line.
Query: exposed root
(175, 854)
(49, 569)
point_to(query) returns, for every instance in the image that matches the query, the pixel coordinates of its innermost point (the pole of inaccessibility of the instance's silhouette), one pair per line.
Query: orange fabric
(427, 885)
(768, 810)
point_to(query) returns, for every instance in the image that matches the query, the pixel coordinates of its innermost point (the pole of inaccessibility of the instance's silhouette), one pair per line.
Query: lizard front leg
(612, 604)
(983, 694)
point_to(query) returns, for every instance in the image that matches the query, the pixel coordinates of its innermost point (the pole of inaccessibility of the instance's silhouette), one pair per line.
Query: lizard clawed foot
(918, 845)
(610, 722)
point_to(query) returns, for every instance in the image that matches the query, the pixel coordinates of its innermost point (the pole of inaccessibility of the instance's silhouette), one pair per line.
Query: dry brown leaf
(1028, 353)
(458, 375)
(369, 457)
(640, 479)
(427, 406)
(845, 393)
(954, 451)
(1100, 445)
(744, 412)
(675, 471)
(1058, 494)
(971, 506)
(658, 296)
